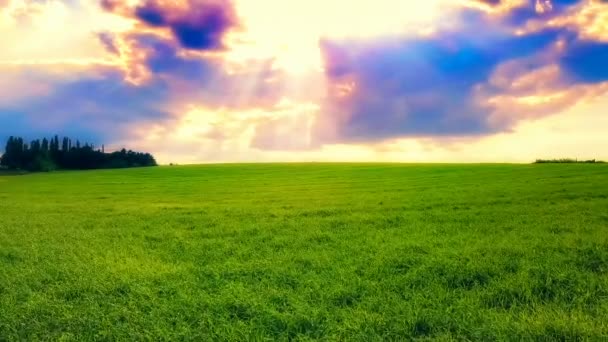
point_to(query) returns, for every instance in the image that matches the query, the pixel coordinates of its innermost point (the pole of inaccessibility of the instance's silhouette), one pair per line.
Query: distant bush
(567, 161)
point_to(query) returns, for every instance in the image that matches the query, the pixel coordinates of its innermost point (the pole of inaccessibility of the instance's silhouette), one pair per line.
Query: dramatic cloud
(92, 103)
(206, 80)
(441, 85)
(275, 79)
(195, 24)
(424, 87)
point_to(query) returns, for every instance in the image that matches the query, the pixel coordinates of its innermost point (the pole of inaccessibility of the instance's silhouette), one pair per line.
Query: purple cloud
(442, 85)
(198, 25)
(97, 105)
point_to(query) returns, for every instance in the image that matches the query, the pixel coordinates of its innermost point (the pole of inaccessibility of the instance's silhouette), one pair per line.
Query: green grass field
(306, 251)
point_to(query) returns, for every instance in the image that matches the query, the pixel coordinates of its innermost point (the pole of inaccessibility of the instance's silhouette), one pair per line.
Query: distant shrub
(42, 163)
(567, 161)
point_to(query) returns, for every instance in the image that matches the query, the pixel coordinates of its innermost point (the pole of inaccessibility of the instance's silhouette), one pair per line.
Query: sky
(195, 81)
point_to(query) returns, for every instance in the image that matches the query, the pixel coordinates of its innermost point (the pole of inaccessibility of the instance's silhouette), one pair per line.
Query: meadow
(361, 252)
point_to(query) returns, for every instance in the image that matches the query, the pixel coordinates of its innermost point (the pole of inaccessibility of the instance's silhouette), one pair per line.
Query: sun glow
(290, 31)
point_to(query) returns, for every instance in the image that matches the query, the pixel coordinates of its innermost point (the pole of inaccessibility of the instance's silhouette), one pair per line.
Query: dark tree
(65, 145)
(45, 155)
(11, 157)
(56, 143)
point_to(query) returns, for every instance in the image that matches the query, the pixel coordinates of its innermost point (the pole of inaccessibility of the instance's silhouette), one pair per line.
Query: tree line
(568, 161)
(51, 154)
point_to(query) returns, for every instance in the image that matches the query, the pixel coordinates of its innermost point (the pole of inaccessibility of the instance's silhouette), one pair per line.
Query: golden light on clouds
(434, 80)
(52, 30)
(290, 31)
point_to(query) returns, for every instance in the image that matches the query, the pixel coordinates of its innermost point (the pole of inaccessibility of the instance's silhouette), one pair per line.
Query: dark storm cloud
(163, 58)
(151, 14)
(195, 24)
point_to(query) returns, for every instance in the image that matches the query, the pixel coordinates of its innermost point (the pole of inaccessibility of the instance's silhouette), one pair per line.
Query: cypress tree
(20, 149)
(56, 143)
(8, 153)
(65, 145)
(35, 146)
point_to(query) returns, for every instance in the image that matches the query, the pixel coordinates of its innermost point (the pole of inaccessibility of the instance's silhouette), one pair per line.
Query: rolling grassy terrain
(306, 251)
